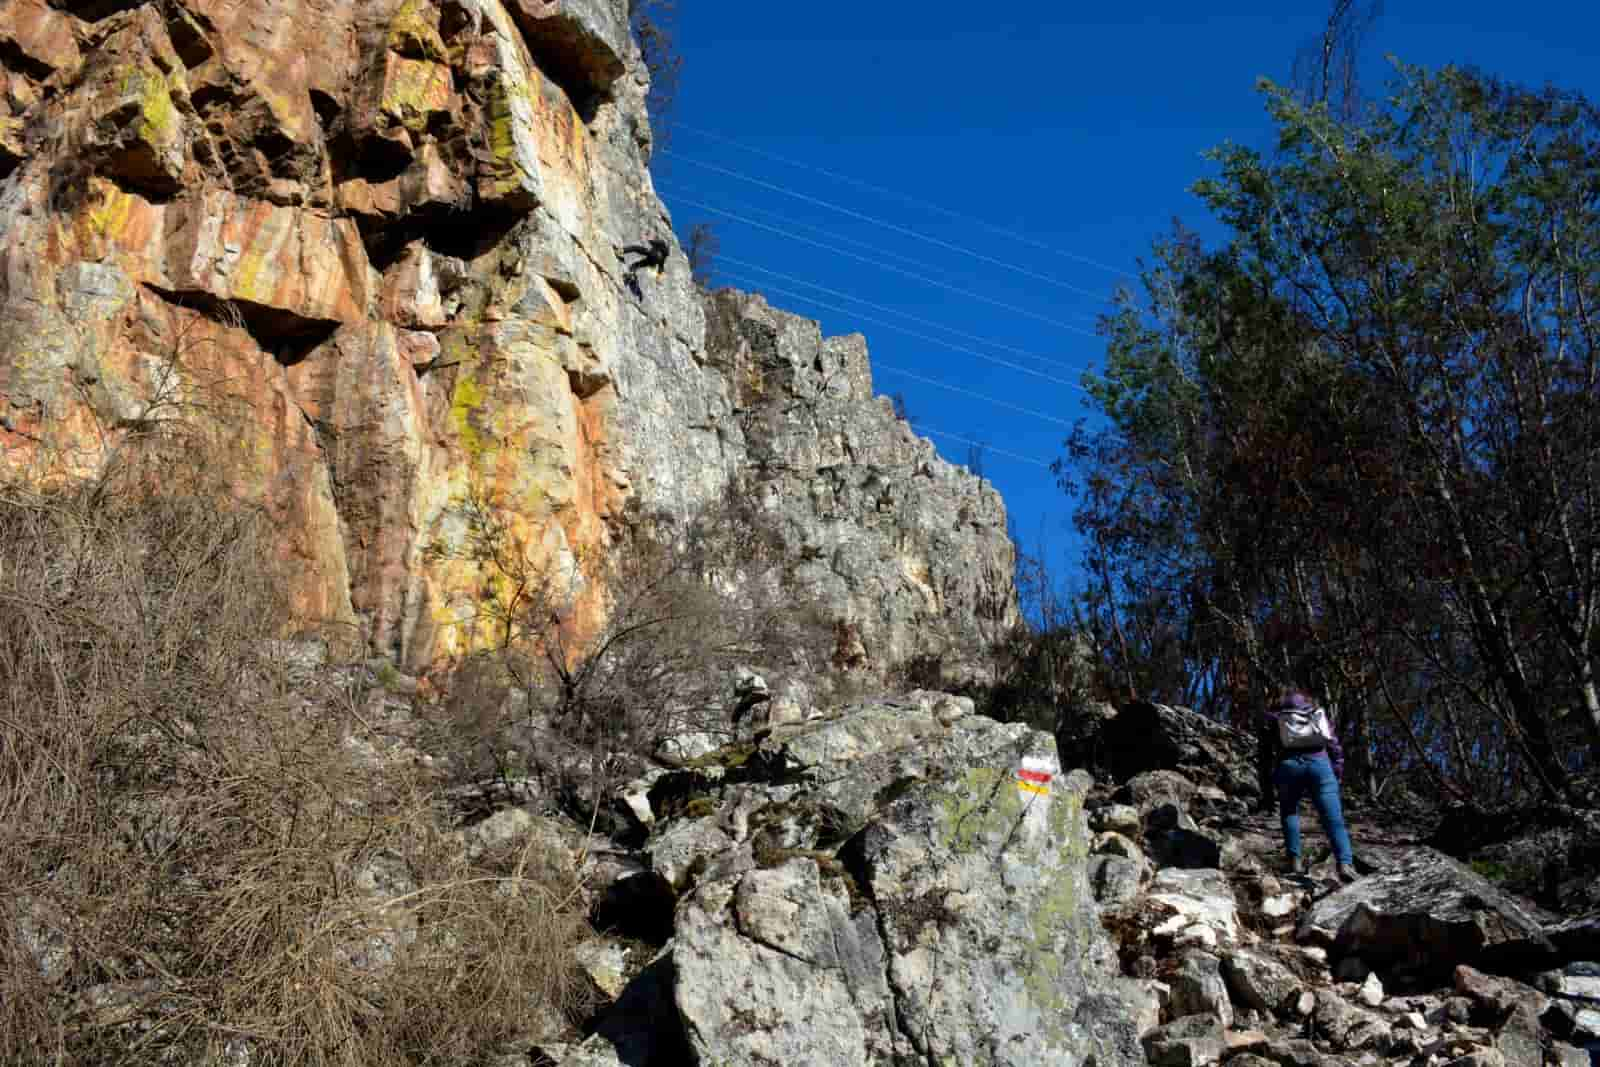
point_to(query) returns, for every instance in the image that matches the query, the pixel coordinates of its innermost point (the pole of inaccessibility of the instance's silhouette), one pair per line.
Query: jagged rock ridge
(383, 236)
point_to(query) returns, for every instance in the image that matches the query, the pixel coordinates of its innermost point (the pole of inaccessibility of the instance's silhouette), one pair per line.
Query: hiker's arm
(1336, 754)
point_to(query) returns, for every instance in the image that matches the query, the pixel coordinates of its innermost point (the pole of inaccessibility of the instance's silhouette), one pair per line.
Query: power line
(897, 270)
(1023, 352)
(1018, 456)
(758, 285)
(896, 227)
(878, 364)
(672, 192)
(905, 198)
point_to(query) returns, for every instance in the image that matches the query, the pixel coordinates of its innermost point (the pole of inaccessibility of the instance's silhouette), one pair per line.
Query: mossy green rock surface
(956, 926)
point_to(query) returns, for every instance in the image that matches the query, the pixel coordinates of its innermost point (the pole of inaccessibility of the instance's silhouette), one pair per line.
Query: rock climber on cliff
(652, 255)
(1300, 755)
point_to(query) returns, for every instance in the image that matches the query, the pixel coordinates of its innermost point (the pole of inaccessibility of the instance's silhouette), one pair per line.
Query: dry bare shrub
(689, 602)
(196, 867)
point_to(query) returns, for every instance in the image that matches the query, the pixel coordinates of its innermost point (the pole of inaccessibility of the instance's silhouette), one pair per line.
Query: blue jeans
(1311, 773)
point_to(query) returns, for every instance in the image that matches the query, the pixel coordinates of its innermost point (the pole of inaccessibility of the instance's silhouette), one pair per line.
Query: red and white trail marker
(1034, 776)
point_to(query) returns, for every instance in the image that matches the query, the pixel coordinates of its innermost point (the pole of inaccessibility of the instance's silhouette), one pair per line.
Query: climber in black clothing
(653, 254)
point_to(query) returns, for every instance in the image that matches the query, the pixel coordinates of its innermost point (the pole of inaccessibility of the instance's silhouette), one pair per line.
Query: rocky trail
(876, 884)
(1420, 961)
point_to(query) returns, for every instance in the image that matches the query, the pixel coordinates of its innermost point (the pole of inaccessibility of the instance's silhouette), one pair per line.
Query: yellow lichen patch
(465, 402)
(113, 207)
(252, 265)
(502, 128)
(414, 31)
(984, 803)
(415, 90)
(258, 273)
(12, 146)
(512, 173)
(159, 114)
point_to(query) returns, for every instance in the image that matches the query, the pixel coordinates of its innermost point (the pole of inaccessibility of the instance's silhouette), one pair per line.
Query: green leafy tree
(1355, 447)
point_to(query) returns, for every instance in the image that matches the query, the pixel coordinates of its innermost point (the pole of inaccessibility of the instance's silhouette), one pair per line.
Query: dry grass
(195, 867)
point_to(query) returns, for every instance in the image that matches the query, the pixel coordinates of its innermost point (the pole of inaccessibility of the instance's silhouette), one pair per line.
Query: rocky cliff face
(911, 552)
(382, 238)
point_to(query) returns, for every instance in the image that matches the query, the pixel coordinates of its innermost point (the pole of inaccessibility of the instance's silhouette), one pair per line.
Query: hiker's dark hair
(1294, 698)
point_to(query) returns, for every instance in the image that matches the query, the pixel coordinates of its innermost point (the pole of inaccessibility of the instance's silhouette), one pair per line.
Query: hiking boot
(1297, 866)
(1347, 873)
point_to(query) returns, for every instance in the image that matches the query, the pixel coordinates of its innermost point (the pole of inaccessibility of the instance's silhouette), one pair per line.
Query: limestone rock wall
(381, 237)
(911, 551)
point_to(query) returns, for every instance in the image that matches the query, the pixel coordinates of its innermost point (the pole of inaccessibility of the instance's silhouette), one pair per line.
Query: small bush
(654, 24)
(689, 604)
(197, 866)
(703, 247)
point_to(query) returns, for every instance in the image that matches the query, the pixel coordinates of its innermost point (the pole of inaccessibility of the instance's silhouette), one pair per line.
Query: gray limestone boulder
(1299, 1052)
(1520, 1038)
(1258, 981)
(1115, 879)
(680, 852)
(1190, 1041)
(1117, 818)
(1345, 1026)
(1111, 843)
(1494, 997)
(994, 944)
(1146, 999)
(1198, 987)
(774, 968)
(1151, 789)
(883, 887)
(1425, 913)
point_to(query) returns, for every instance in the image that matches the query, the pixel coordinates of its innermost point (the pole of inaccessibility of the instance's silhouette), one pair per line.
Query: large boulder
(954, 923)
(812, 983)
(1423, 914)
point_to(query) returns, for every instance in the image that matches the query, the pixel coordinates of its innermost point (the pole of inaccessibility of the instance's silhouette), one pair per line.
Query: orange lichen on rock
(366, 240)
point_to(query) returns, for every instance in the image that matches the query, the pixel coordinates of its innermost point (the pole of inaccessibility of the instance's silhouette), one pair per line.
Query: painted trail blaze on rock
(1034, 776)
(956, 927)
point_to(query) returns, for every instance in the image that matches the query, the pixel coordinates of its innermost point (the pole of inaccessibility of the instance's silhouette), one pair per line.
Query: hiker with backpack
(1300, 757)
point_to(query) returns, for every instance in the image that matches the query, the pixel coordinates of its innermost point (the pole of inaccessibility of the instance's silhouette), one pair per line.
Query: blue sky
(998, 168)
